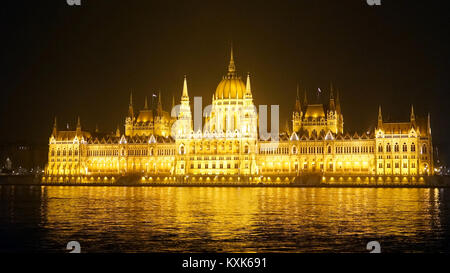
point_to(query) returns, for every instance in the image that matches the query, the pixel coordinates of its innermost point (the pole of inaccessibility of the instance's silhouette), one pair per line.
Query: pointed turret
(145, 103)
(78, 125)
(118, 131)
(96, 128)
(380, 118)
(55, 128)
(130, 107)
(412, 116)
(185, 95)
(286, 128)
(248, 88)
(184, 116)
(332, 105)
(298, 107)
(173, 101)
(429, 124)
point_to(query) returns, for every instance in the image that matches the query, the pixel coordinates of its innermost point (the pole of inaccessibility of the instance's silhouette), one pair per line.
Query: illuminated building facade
(157, 143)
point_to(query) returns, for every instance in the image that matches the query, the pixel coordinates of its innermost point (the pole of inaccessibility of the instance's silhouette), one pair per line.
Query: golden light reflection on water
(160, 219)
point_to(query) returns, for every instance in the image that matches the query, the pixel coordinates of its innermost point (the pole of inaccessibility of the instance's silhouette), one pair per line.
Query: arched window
(70, 152)
(53, 152)
(424, 149)
(181, 149)
(413, 147)
(405, 147)
(246, 151)
(329, 149)
(294, 150)
(380, 148)
(388, 147)
(396, 147)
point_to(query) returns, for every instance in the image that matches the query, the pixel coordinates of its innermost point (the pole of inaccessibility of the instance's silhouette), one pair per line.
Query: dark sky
(67, 61)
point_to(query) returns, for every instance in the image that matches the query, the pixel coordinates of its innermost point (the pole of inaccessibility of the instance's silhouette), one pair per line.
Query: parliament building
(162, 147)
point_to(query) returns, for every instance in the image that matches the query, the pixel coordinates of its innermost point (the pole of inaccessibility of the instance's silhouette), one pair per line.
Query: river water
(223, 219)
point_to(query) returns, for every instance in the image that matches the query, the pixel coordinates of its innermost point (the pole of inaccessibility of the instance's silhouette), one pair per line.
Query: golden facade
(159, 143)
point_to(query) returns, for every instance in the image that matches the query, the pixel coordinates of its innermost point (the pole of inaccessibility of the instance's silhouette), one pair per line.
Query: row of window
(64, 152)
(214, 158)
(103, 153)
(270, 150)
(397, 165)
(214, 166)
(388, 148)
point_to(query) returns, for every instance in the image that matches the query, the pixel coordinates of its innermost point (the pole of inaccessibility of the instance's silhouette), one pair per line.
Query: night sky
(65, 61)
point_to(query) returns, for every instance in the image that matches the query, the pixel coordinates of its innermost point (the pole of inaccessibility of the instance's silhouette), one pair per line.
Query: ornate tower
(232, 106)
(339, 116)
(184, 122)
(297, 114)
(332, 115)
(130, 118)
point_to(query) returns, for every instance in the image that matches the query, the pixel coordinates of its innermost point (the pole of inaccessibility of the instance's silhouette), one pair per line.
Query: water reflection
(169, 219)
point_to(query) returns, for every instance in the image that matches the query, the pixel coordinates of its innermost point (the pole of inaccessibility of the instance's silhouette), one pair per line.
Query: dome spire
(231, 66)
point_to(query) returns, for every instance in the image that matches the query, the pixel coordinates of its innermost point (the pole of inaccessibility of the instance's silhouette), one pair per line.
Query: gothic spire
(338, 102)
(130, 106)
(78, 125)
(118, 131)
(331, 91)
(145, 104)
(380, 117)
(332, 105)
(298, 107)
(55, 128)
(159, 109)
(185, 90)
(248, 88)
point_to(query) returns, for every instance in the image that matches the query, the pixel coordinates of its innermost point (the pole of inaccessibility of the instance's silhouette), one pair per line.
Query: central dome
(230, 87)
